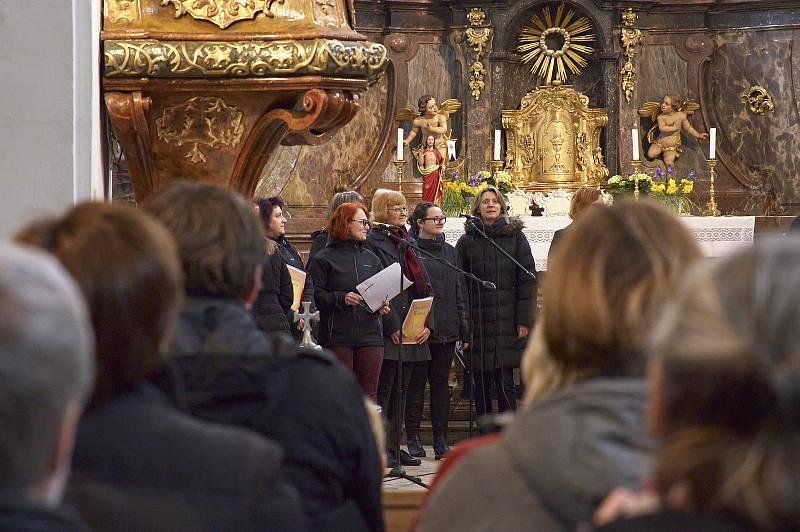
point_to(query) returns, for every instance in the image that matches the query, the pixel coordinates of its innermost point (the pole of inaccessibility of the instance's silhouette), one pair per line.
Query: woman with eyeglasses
(389, 207)
(347, 327)
(452, 324)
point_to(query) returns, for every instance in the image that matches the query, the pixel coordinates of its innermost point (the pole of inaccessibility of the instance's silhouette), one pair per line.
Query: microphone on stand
(382, 226)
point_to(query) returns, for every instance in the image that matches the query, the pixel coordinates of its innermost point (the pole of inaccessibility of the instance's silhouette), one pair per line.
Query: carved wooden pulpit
(207, 89)
(553, 140)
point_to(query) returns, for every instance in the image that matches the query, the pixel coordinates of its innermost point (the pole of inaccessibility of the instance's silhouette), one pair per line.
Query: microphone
(382, 226)
(472, 219)
(488, 285)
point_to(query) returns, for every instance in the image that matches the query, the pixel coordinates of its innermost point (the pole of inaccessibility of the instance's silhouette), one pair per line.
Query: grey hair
(347, 196)
(46, 361)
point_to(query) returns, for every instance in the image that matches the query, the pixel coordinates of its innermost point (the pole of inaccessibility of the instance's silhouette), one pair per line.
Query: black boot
(440, 447)
(405, 459)
(415, 446)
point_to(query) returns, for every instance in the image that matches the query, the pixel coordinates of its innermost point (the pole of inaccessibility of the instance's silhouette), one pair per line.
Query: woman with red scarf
(429, 164)
(389, 207)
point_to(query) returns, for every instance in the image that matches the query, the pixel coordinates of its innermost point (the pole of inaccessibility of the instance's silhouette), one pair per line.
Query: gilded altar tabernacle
(553, 140)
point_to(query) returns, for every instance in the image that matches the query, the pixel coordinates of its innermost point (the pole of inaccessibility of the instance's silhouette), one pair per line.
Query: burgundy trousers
(365, 363)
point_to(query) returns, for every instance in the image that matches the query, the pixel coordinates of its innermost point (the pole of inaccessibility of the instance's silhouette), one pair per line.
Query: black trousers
(504, 385)
(435, 371)
(387, 396)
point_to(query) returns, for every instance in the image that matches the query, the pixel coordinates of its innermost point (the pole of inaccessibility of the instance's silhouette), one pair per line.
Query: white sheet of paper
(384, 284)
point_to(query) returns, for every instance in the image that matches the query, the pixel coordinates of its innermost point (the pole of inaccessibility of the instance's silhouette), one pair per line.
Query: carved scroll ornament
(181, 59)
(478, 37)
(758, 99)
(630, 37)
(476, 79)
(223, 13)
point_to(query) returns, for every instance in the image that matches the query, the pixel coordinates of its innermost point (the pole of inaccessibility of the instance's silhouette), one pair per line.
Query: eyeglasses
(436, 219)
(399, 209)
(364, 223)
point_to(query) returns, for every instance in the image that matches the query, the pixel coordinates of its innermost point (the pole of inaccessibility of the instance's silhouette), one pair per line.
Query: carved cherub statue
(431, 120)
(669, 118)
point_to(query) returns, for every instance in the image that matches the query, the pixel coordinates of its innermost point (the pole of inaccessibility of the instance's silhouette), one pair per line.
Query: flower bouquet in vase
(672, 190)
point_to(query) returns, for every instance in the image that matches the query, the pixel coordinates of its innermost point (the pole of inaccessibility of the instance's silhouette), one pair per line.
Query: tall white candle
(712, 144)
(496, 155)
(635, 143)
(399, 143)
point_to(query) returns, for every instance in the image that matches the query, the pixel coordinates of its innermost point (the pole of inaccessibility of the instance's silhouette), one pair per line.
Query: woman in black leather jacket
(347, 327)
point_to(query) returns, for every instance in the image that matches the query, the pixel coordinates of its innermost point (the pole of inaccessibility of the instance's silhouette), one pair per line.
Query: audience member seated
(139, 463)
(234, 373)
(46, 372)
(582, 199)
(724, 379)
(580, 434)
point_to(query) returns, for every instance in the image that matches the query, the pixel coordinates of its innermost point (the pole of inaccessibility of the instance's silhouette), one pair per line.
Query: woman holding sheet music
(347, 327)
(389, 209)
(271, 211)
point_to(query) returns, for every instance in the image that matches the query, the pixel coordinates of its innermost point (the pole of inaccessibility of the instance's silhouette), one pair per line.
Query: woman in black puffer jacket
(347, 327)
(452, 324)
(500, 318)
(274, 299)
(274, 222)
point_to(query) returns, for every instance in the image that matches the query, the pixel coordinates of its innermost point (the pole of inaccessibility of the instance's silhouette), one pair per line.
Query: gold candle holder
(635, 172)
(399, 165)
(496, 167)
(711, 206)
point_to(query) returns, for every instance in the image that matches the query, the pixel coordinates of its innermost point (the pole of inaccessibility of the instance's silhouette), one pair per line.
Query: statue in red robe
(430, 163)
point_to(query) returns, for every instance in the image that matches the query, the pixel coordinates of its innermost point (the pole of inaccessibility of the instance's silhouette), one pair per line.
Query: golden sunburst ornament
(575, 37)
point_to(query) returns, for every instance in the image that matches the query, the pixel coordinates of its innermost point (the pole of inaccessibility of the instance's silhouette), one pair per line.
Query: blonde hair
(382, 199)
(609, 277)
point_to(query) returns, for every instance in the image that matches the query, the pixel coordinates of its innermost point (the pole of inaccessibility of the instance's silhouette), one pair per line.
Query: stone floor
(425, 472)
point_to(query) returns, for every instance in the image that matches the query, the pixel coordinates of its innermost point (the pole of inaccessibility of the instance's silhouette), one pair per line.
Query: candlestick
(399, 164)
(496, 155)
(635, 170)
(496, 167)
(635, 143)
(711, 206)
(712, 144)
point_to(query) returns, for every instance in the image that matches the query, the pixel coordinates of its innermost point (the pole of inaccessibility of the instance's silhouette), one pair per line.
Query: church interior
(693, 105)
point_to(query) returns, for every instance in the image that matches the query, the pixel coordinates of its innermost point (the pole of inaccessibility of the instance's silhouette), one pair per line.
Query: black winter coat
(336, 270)
(319, 239)
(514, 301)
(275, 298)
(18, 514)
(292, 258)
(449, 310)
(140, 464)
(386, 251)
(304, 400)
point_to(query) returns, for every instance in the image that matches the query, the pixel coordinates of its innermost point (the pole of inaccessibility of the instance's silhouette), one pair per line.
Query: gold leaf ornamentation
(168, 59)
(630, 38)
(552, 63)
(201, 120)
(223, 13)
(758, 99)
(476, 77)
(124, 10)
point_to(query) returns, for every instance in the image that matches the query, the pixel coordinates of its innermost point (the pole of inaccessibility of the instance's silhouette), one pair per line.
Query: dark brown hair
(339, 222)
(422, 102)
(726, 368)
(127, 267)
(265, 206)
(220, 240)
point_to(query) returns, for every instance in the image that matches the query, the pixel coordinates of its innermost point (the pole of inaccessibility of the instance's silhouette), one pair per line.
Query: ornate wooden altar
(553, 140)
(207, 89)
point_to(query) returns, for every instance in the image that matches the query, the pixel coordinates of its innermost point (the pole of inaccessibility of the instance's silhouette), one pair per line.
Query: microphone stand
(398, 471)
(472, 224)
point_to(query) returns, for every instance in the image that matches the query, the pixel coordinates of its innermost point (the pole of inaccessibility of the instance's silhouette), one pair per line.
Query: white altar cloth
(717, 236)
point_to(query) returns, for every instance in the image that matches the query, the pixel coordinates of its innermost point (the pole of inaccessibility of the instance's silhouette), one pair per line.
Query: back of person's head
(382, 200)
(582, 199)
(345, 196)
(725, 394)
(220, 240)
(338, 224)
(609, 278)
(46, 370)
(127, 268)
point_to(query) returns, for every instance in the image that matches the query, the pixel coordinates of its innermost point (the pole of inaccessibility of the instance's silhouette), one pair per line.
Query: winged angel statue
(431, 153)
(669, 118)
